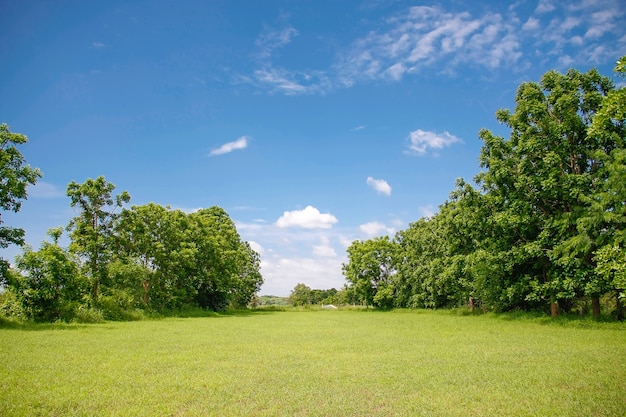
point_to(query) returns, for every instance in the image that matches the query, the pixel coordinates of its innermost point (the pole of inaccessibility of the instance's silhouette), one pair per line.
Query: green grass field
(316, 363)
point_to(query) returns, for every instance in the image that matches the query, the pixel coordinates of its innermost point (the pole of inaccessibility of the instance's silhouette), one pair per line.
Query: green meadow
(316, 363)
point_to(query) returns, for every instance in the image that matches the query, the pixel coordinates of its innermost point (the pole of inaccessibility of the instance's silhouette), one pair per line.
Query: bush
(85, 314)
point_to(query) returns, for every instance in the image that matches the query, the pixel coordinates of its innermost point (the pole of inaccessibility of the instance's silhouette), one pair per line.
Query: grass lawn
(316, 363)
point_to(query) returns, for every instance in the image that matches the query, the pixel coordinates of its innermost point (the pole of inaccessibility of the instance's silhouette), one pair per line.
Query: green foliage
(47, 283)
(273, 300)
(91, 231)
(119, 265)
(178, 259)
(15, 177)
(370, 268)
(300, 295)
(611, 267)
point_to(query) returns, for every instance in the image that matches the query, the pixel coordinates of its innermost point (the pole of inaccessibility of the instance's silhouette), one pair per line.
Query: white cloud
(531, 24)
(421, 37)
(256, 247)
(308, 218)
(280, 80)
(421, 141)
(240, 143)
(375, 228)
(324, 249)
(271, 39)
(292, 82)
(427, 35)
(544, 6)
(97, 45)
(381, 186)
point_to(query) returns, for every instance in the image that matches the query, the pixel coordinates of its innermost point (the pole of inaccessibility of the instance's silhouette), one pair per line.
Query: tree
(225, 270)
(15, 177)
(145, 238)
(91, 230)
(604, 226)
(300, 295)
(370, 268)
(248, 279)
(47, 285)
(537, 181)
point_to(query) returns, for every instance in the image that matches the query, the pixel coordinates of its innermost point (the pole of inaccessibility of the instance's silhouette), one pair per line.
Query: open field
(317, 363)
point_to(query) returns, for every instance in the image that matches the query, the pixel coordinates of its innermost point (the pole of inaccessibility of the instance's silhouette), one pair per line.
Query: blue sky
(312, 123)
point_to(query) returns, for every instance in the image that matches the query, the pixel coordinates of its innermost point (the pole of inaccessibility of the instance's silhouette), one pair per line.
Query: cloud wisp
(271, 39)
(44, 189)
(433, 37)
(228, 147)
(376, 228)
(307, 218)
(420, 141)
(381, 186)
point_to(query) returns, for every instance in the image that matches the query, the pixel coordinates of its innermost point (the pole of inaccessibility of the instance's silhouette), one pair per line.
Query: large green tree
(182, 259)
(604, 226)
(370, 270)
(146, 237)
(432, 267)
(15, 176)
(538, 180)
(300, 295)
(91, 231)
(225, 270)
(47, 285)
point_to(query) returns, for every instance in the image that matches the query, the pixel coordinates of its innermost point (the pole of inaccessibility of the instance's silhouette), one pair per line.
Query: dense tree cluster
(303, 295)
(120, 259)
(542, 229)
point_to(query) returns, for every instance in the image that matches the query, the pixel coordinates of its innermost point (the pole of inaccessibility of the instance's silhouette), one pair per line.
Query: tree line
(121, 260)
(541, 228)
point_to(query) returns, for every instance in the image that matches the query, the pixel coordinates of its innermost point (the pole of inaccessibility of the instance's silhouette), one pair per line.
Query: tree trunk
(595, 307)
(554, 309)
(95, 289)
(619, 307)
(146, 291)
(471, 304)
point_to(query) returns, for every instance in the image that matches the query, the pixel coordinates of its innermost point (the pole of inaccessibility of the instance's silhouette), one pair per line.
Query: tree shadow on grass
(12, 324)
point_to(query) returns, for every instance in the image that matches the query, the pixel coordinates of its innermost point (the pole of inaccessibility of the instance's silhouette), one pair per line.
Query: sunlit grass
(316, 363)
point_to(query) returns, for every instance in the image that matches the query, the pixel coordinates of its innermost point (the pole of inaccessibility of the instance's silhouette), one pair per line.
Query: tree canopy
(122, 259)
(15, 176)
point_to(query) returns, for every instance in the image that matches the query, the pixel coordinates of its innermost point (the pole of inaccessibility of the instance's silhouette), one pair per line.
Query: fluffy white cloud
(375, 228)
(308, 218)
(240, 143)
(420, 141)
(381, 186)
